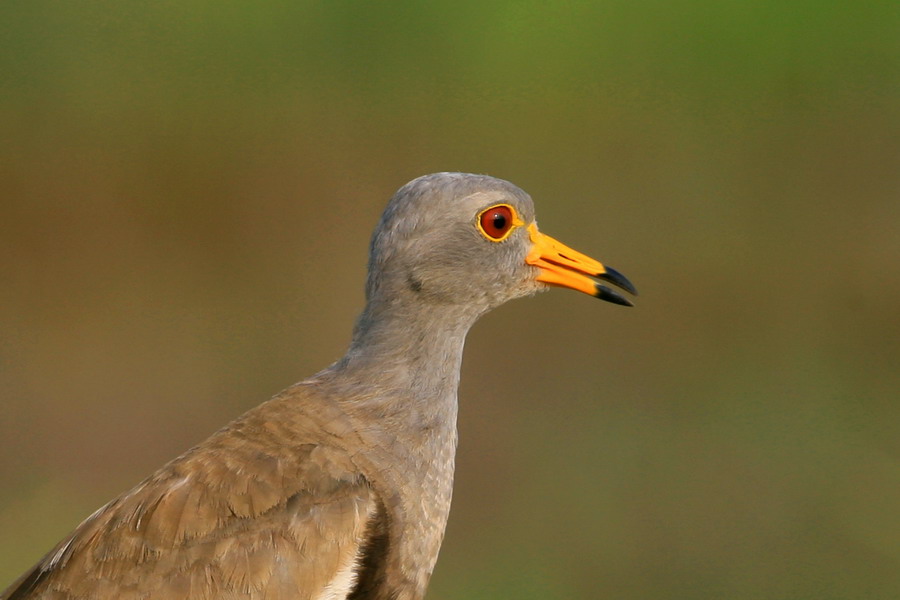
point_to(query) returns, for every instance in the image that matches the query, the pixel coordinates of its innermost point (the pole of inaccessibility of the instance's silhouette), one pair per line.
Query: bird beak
(560, 265)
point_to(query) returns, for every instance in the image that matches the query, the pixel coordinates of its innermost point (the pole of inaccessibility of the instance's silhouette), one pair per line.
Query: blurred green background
(187, 193)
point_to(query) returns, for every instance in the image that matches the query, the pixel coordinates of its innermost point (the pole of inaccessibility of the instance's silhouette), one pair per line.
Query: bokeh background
(187, 190)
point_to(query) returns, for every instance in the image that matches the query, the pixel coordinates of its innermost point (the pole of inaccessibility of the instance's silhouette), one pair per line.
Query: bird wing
(267, 508)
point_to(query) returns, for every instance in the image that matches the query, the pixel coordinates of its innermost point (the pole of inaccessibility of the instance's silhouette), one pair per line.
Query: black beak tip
(618, 280)
(604, 293)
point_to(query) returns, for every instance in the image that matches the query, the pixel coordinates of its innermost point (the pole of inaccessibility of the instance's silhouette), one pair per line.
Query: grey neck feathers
(406, 354)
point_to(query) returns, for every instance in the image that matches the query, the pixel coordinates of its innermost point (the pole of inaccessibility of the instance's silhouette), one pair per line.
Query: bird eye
(496, 222)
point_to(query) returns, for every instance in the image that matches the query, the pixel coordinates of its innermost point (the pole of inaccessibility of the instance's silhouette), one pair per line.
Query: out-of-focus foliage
(186, 194)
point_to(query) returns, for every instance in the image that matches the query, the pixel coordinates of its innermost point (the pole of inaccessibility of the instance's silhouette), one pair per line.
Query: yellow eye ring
(497, 222)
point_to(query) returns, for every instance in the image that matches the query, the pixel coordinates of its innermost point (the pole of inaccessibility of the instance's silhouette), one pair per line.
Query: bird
(339, 487)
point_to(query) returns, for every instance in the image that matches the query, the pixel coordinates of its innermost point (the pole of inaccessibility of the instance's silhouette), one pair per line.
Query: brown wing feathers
(245, 515)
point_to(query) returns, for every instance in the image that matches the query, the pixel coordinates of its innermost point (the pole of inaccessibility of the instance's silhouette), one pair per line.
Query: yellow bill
(562, 266)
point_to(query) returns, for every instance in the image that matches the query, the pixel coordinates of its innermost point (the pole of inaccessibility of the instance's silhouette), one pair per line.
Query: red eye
(496, 222)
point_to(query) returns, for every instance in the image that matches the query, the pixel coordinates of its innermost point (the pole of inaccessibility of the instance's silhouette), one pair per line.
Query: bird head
(457, 238)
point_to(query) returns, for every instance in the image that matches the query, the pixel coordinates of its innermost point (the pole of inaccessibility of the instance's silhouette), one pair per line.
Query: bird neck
(414, 349)
(398, 386)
